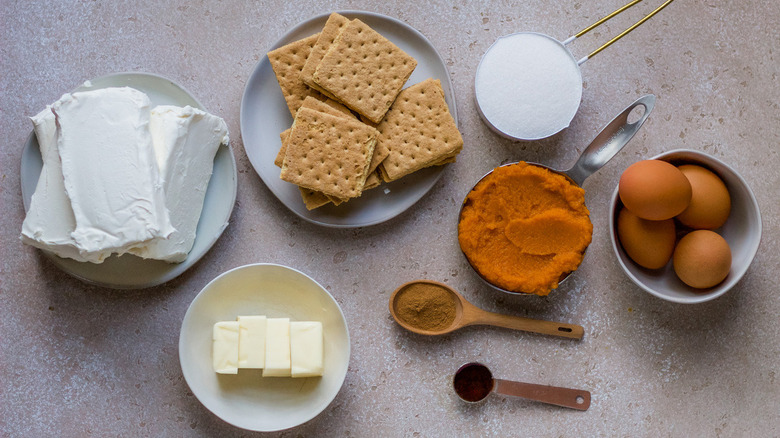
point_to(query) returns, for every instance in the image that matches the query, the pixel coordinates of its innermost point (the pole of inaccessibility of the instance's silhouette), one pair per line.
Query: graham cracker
(418, 130)
(279, 160)
(287, 63)
(328, 154)
(329, 106)
(337, 201)
(313, 199)
(372, 181)
(444, 161)
(332, 28)
(380, 153)
(364, 70)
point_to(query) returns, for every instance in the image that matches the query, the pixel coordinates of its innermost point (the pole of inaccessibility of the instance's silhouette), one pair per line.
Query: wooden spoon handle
(571, 331)
(568, 398)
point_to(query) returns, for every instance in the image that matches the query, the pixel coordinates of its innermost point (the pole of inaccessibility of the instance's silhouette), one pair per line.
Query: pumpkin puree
(524, 227)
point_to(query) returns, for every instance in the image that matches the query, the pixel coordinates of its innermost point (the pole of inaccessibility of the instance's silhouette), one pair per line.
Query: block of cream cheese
(50, 221)
(224, 352)
(109, 169)
(251, 341)
(277, 348)
(185, 142)
(306, 353)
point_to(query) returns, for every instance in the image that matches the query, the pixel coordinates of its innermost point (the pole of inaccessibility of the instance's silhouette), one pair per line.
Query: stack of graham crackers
(354, 125)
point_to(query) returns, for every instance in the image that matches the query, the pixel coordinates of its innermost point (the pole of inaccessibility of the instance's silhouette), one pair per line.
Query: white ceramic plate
(246, 399)
(128, 271)
(264, 115)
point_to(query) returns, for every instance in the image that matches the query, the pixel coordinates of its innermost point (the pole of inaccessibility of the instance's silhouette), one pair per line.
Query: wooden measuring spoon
(467, 314)
(473, 382)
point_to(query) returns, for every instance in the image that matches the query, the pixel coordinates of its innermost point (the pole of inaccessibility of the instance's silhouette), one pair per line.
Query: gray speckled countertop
(79, 360)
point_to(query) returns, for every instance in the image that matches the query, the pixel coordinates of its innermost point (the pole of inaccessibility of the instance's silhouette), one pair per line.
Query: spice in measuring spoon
(473, 382)
(432, 308)
(426, 306)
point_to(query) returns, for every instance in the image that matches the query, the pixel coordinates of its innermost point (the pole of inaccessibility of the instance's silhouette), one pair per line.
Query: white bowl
(247, 400)
(742, 231)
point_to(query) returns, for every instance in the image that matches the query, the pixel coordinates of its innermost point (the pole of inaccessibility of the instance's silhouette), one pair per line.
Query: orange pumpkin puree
(524, 227)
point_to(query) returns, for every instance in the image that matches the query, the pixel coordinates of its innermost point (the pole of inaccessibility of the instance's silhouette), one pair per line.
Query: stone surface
(79, 360)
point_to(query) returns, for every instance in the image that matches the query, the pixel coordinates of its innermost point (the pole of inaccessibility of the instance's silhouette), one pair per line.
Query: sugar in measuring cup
(528, 85)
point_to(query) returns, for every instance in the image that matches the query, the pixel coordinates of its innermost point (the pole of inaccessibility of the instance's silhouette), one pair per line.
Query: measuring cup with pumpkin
(524, 227)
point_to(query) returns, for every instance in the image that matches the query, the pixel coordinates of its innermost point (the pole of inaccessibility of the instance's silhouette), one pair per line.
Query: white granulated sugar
(528, 86)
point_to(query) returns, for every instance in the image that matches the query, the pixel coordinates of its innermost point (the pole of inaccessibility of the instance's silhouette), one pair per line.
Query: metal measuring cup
(606, 145)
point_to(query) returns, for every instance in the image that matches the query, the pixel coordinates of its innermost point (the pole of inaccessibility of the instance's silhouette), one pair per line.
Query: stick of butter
(225, 347)
(306, 348)
(277, 348)
(251, 341)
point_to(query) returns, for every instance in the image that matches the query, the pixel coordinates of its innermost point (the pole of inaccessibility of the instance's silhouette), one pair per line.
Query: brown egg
(654, 190)
(702, 259)
(710, 201)
(648, 243)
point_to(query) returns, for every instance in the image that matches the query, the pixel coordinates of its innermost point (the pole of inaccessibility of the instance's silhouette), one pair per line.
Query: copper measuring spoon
(473, 382)
(467, 314)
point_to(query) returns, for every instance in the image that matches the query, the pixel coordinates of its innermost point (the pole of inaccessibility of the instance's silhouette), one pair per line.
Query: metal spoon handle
(481, 317)
(610, 140)
(554, 395)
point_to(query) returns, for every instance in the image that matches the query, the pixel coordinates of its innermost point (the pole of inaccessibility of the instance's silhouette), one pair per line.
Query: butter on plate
(306, 348)
(225, 347)
(277, 348)
(251, 341)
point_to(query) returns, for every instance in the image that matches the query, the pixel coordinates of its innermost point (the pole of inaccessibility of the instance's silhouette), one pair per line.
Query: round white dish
(128, 271)
(246, 399)
(742, 231)
(264, 115)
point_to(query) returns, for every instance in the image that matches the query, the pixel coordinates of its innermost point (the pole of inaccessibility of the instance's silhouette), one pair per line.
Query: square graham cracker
(373, 180)
(328, 154)
(287, 63)
(364, 70)
(419, 131)
(333, 27)
(313, 199)
(329, 106)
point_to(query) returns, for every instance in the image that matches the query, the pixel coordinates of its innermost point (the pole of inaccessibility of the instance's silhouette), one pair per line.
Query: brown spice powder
(426, 306)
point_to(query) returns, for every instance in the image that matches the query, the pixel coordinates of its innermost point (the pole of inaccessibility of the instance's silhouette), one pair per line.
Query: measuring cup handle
(610, 140)
(554, 395)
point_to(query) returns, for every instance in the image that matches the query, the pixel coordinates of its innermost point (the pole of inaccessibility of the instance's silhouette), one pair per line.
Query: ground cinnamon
(426, 306)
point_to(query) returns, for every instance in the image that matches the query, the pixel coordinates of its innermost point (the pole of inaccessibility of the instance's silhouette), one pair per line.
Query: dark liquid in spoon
(473, 382)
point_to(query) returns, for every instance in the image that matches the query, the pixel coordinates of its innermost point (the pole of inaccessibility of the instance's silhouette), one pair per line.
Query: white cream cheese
(109, 169)
(185, 142)
(50, 221)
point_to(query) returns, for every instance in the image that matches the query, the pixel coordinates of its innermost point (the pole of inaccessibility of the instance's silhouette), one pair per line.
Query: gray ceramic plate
(264, 115)
(128, 271)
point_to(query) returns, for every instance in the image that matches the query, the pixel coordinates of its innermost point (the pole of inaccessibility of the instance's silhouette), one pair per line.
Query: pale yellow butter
(306, 352)
(225, 347)
(277, 348)
(251, 341)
